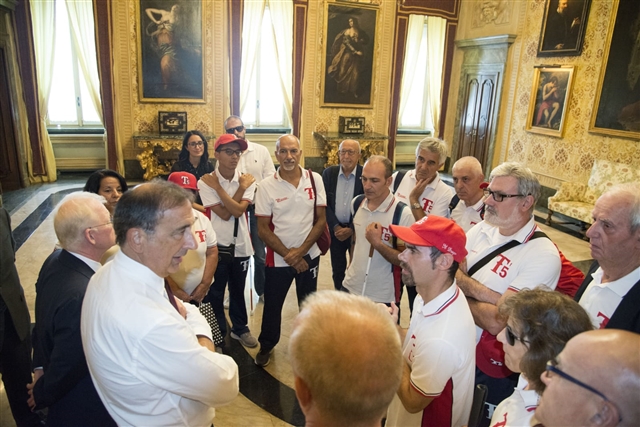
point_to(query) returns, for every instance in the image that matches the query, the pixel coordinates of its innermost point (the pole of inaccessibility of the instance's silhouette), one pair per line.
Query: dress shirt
(144, 357)
(94, 265)
(344, 191)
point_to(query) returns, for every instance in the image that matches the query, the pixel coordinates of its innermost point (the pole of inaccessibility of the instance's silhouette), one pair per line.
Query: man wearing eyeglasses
(501, 271)
(257, 162)
(61, 378)
(594, 381)
(342, 183)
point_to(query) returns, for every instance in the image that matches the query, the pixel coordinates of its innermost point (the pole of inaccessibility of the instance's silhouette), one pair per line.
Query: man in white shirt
(611, 290)
(375, 248)
(61, 379)
(512, 195)
(421, 188)
(439, 346)
(257, 162)
(151, 358)
(469, 199)
(285, 206)
(594, 381)
(367, 364)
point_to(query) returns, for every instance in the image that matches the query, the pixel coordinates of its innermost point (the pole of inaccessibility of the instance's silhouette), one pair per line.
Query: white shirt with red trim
(189, 274)
(380, 281)
(291, 211)
(224, 229)
(435, 198)
(440, 350)
(467, 216)
(601, 300)
(518, 409)
(527, 265)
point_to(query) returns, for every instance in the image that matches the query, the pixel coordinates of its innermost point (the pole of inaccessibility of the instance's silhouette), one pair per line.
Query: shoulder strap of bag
(315, 195)
(397, 214)
(454, 202)
(399, 178)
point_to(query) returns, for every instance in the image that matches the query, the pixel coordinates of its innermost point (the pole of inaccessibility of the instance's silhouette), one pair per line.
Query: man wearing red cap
(439, 346)
(228, 194)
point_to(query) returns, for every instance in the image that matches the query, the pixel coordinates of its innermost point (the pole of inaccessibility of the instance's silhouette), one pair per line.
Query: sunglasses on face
(512, 338)
(236, 129)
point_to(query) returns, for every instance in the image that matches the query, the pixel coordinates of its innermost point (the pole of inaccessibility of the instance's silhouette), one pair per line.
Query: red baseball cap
(184, 179)
(441, 233)
(228, 138)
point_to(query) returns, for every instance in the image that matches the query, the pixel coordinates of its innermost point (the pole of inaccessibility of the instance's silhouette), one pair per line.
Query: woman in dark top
(109, 184)
(194, 156)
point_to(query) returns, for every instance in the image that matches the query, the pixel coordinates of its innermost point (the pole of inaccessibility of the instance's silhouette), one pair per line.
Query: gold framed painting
(616, 109)
(549, 99)
(349, 42)
(170, 54)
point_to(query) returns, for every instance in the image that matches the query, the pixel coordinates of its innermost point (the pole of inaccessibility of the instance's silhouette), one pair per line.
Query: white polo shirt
(189, 274)
(291, 211)
(435, 198)
(517, 409)
(467, 216)
(601, 300)
(224, 229)
(440, 350)
(380, 284)
(257, 161)
(532, 263)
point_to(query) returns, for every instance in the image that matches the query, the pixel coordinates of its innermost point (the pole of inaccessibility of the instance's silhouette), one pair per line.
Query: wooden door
(9, 158)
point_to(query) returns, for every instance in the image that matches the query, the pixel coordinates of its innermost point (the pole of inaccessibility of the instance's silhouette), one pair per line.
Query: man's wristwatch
(416, 205)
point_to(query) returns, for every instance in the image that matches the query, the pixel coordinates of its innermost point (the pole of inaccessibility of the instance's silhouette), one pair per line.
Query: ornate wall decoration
(494, 12)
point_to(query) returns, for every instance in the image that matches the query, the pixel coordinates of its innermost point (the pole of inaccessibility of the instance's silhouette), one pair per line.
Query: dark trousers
(339, 259)
(259, 255)
(499, 390)
(234, 274)
(278, 282)
(15, 368)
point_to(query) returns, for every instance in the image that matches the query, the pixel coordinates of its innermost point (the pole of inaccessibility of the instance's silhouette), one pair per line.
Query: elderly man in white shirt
(151, 358)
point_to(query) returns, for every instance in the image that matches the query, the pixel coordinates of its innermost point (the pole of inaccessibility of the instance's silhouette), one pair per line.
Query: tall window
(70, 103)
(422, 74)
(266, 75)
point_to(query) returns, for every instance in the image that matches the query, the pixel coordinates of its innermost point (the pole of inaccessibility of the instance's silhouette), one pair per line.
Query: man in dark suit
(610, 292)
(342, 183)
(61, 378)
(15, 343)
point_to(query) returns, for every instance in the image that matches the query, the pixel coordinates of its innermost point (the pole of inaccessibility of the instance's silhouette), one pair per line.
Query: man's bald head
(607, 360)
(346, 357)
(467, 177)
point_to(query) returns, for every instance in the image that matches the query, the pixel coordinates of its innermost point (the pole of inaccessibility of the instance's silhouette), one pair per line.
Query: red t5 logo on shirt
(309, 191)
(202, 234)
(502, 266)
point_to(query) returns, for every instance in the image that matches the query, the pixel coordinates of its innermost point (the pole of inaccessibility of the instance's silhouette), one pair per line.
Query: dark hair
(94, 180)
(184, 154)
(143, 206)
(435, 254)
(547, 320)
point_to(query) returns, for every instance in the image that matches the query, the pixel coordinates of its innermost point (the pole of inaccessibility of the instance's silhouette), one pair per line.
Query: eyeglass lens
(196, 144)
(235, 129)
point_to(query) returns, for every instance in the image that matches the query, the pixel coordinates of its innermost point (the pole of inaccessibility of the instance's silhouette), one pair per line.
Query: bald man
(595, 381)
(365, 367)
(467, 206)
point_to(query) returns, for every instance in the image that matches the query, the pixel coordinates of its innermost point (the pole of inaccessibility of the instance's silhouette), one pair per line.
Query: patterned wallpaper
(570, 158)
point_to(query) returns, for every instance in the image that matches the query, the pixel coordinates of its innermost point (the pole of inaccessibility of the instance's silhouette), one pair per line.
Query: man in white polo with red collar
(439, 346)
(285, 204)
(467, 206)
(421, 188)
(512, 194)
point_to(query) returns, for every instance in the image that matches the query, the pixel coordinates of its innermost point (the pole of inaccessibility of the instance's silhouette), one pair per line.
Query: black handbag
(227, 253)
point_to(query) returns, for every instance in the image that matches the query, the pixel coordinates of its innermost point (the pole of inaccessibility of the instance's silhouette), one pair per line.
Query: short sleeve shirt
(435, 198)
(517, 409)
(291, 211)
(467, 216)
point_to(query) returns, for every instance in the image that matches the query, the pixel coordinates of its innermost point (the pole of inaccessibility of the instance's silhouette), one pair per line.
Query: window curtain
(282, 19)
(43, 17)
(436, 33)
(414, 39)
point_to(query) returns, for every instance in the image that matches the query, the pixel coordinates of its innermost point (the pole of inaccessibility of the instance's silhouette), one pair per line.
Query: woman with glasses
(539, 323)
(194, 156)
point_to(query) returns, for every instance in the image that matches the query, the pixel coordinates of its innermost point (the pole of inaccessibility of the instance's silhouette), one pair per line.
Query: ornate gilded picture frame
(563, 27)
(349, 43)
(549, 100)
(616, 109)
(170, 54)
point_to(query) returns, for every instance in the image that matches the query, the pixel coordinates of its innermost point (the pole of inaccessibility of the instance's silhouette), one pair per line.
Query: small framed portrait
(347, 79)
(563, 27)
(549, 100)
(170, 60)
